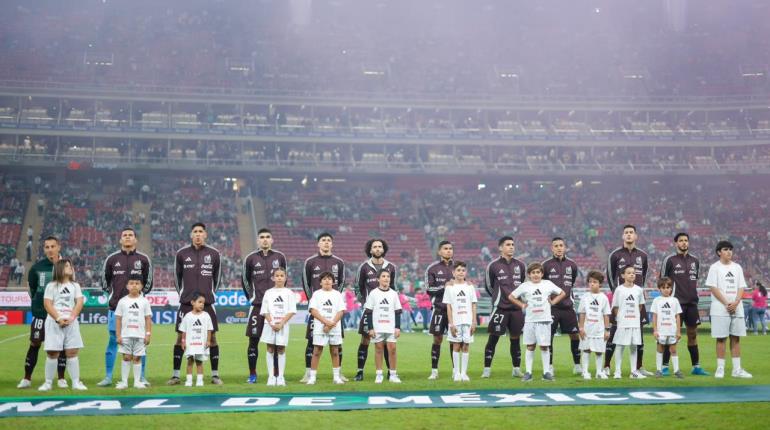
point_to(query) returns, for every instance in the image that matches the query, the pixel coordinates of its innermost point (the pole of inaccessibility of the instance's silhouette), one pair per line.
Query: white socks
(546, 357)
(281, 364)
(585, 357)
(137, 373)
(720, 363)
(529, 357)
(125, 370)
(599, 363)
(50, 368)
(632, 357)
(464, 361)
(73, 368)
(619, 358)
(736, 363)
(455, 362)
(659, 361)
(270, 370)
(675, 363)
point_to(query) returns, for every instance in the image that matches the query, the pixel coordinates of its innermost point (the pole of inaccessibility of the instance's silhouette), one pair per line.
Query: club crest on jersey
(692, 266)
(335, 269)
(137, 265)
(207, 259)
(639, 260)
(517, 270)
(276, 264)
(568, 271)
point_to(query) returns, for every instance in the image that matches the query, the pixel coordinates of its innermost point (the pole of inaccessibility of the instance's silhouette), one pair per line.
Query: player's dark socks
(489, 350)
(252, 352)
(451, 356)
(515, 350)
(61, 365)
(340, 350)
(214, 355)
(30, 361)
(694, 354)
(574, 345)
(666, 355)
(363, 353)
(609, 352)
(308, 354)
(639, 355)
(386, 356)
(435, 354)
(178, 351)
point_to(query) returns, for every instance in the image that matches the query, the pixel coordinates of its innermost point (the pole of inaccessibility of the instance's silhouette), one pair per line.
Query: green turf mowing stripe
(331, 401)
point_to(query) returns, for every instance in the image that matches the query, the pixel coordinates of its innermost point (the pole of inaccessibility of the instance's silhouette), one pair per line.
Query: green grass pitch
(414, 367)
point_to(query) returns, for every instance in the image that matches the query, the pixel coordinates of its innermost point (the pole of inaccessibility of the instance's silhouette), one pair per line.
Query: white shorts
(721, 327)
(327, 339)
(463, 334)
(537, 333)
(593, 344)
(666, 340)
(626, 336)
(132, 346)
(384, 337)
(58, 338)
(197, 357)
(272, 337)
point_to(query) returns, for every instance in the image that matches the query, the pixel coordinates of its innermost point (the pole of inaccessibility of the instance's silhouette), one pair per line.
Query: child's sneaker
(394, 379)
(719, 373)
(516, 373)
(637, 374)
(140, 385)
(642, 371)
(199, 383)
(339, 381)
(486, 373)
(25, 383)
(271, 381)
(456, 377)
(548, 376)
(659, 373)
(62, 383)
(216, 380)
(121, 385)
(379, 378)
(617, 375)
(310, 380)
(606, 371)
(664, 372)
(280, 381)
(577, 370)
(464, 377)
(306, 377)
(188, 383)
(601, 375)
(45, 387)
(252, 379)
(678, 374)
(587, 376)
(79, 386)
(433, 375)
(697, 370)
(740, 373)
(527, 377)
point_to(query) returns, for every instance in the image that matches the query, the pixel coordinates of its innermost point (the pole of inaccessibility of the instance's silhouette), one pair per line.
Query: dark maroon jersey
(502, 277)
(563, 272)
(436, 275)
(621, 257)
(118, 267)
(684, 270)
(366, 278)
(318, 264)
(258, 270)
(197, 271)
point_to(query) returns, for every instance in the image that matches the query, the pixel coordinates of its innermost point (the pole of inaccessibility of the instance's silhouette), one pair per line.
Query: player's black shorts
(37, 329)
(185, 308)
(502, 321)
(566, 319)
(439, 322)
(690, 315)
(256, 322)
(363, 325)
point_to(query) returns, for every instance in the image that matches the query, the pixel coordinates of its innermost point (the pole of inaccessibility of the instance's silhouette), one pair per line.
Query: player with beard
(367, 281)
(684, 269)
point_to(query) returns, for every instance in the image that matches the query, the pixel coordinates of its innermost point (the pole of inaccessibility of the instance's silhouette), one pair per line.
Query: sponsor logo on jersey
(258, 264)
(134, 306)
(678, 266)
(197, 323)
(461, 294)
(65, 290)
(630, 298)
(622, 260)
(553, 270)
(440, 272)
(595, 303)
(316, 268)
(117, 264)
(729, 275)
(188, 259)
(666, 306)
(384, 302)
(501, 271)
(278, 299)
(328, 303)
(537, 292)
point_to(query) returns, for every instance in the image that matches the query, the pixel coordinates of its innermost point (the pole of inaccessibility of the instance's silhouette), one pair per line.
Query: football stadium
(384, 214)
